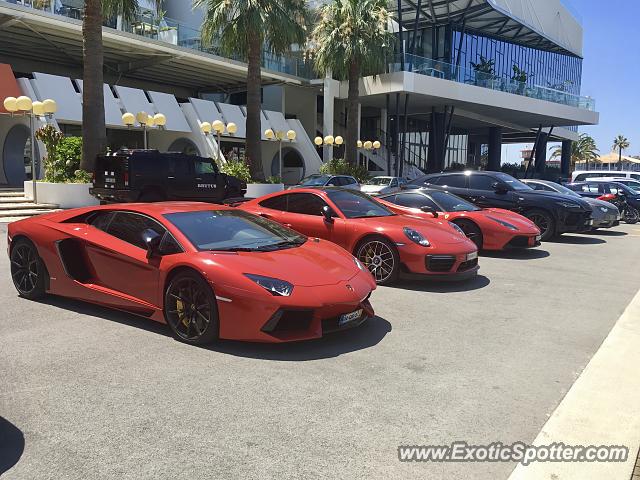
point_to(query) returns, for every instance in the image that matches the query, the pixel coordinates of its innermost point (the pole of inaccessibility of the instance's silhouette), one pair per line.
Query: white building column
(331, 91)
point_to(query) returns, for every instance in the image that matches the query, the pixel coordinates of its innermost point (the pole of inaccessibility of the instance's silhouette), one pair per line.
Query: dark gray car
(605, 214)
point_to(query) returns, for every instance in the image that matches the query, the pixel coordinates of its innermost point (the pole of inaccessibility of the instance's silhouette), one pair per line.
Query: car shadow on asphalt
(607, 233)
(331, 345)
(516, 254)
(578, 240)
(365, 336)
(11, 445)
(440, 286)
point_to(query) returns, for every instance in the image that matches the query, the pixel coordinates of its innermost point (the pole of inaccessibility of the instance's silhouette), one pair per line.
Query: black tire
(28, 271)
(190, 309)
(631, 216)
(381, 258)
(472, 231)
(152, 196)
(544, 221)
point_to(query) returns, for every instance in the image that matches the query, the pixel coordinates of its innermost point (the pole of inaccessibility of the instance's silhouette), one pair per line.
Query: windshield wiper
(279, 245)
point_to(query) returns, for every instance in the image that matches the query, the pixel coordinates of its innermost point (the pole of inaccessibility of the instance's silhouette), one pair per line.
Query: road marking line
(601, 408)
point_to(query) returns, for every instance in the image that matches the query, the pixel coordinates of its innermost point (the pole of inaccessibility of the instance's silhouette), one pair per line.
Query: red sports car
(386, 243)
(490, 228)
(209, 271)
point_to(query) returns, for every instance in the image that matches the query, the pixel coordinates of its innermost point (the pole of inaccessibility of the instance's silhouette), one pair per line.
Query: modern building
(430, 108)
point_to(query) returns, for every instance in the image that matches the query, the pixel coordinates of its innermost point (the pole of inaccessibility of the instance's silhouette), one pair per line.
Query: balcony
(149, 24)
(447, 71)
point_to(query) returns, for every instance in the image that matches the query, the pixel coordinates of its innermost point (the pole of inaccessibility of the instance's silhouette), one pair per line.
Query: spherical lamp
(24, 103)
(50, 106)
(205, 127)
(128, 119)
(368, 144)
(291, 135)
(38, 108)
(160, 119)
(377, 144)
(329, 139)
(359, 144)
(317, 141)
(11, 104)
(142, 117)
(268, 134)
(151, 121)
(232, 128)
(218, 126)
(339, 140)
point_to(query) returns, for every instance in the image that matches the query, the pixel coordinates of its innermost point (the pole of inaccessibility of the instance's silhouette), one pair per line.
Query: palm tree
(245, 28)
(94, 131)
(352, 39)
(584, 150)
(620, 143)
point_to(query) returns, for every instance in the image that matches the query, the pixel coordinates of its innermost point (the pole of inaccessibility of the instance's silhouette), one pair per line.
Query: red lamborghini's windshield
(233, 230)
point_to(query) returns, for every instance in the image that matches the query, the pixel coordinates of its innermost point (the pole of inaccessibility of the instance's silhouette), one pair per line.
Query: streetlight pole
(279, 136)
(146, 121)
(219, 127)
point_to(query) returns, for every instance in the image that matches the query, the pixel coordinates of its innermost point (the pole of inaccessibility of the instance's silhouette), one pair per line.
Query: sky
(610, 72)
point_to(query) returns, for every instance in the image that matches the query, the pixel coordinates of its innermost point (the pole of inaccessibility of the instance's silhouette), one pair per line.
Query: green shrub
(63, 155)
(82, 176)
(338, 166)
(238, 169)
(274, 179)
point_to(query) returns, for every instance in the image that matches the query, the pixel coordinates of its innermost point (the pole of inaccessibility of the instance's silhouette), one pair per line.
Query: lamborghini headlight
(276, 287)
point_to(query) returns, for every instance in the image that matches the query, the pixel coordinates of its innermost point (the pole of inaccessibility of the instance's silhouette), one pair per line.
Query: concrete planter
(255, 190)
(65, 195)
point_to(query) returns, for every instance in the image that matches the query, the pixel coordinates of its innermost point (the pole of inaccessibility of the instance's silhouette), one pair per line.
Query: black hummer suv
(151, 176)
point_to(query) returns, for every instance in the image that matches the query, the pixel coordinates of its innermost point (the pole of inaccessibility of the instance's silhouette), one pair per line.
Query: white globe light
(50, 106)
(205, 127)
(128, 119)
(376, 144)
(232, 128)
(317, 141)
(291, 135)
(38, 108)
(151, 121)
(24, 103)
(368, 144)
(218, 126)
(11, 104)
(339, 140)
(329, 139)
(142, 117)
(268, 133)
(160, 119)
(359, 144)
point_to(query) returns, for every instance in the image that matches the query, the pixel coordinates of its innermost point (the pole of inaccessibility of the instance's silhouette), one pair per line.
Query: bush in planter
(62, 161)
(339, 166)
(275, 179)
(484, 70)
(238, 169)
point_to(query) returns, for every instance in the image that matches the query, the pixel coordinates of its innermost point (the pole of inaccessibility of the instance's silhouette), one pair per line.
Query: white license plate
(472, 256)
(538, 238)
(349, 317)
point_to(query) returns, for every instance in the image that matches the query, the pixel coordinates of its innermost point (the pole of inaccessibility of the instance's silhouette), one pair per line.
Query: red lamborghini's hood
(315, 263)
(513, 218)
(437, 231)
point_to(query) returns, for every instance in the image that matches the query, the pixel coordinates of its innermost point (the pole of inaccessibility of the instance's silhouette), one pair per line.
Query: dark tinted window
(129, 227)
(452, 203)
(179, 166)
(101, 220)
(354, 204)
(305, 203)
(233, 230)
(453, 181)
(414, 200)
(350, 181)
(335, 182)
(204, 166)
(481, 182)
(275, 203)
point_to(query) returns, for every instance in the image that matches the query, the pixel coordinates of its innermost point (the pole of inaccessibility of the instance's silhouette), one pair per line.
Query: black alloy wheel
(27, 270)
(544, 222)
(472, 231)
(191, 310)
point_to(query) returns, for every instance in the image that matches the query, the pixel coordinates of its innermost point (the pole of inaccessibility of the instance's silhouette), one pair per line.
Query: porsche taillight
(126, 179)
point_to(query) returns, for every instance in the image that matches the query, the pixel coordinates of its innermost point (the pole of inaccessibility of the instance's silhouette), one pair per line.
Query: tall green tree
(245, 28)
(94, 132)
(584, 150)
(620, 143)
(351, 40)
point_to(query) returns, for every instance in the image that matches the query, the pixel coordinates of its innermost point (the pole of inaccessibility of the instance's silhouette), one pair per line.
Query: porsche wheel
(190, 309)
(544, 221)
(27, 270)
(381, 258)
(472, 231)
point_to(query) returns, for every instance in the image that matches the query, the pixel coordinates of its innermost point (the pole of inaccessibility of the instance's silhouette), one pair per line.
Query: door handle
(264, 215)
(171, 178)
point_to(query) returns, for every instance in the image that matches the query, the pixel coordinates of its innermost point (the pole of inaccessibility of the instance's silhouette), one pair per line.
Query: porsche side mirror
(326, 213)
(431, 210)
(499, 188)
(152, 240)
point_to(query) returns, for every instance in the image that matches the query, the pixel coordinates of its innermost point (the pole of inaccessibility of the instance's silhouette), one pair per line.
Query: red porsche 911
(386, 243)
(208, 271)
(489, 228)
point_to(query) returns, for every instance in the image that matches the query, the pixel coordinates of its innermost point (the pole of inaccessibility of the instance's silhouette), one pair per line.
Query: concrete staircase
(15, 206)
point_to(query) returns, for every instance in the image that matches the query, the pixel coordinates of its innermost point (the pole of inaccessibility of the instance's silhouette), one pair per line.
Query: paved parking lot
(90, 393)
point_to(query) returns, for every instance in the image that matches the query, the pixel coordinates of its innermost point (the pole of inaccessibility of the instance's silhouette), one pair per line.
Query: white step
(10, 194)
(10, 215)
(25, 206)
(16, 199)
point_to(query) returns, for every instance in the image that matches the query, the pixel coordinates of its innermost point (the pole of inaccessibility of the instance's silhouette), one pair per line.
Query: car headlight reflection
(358, 263)
(276, 287)
(457, 228)
(416, 237)
(504, 224)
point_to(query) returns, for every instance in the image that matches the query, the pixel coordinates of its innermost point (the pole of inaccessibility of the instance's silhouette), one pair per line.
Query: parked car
(582, 175)
(629, 182)
(151, 176)
(200, 268)
(630, 199)
(604, 214)
(490, 229)
(552, 213)
(322, 180)
(382, 185)
(384, 242)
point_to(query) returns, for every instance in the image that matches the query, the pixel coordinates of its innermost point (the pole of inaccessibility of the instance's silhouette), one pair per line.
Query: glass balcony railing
(447, 71)
(150, 25)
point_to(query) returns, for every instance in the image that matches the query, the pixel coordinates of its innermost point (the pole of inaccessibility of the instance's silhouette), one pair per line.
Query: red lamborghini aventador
(490, 228)
(384, 242)
(208, 271)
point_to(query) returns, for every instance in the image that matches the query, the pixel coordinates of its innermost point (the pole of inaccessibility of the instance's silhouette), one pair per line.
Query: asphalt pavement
(89, 393)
